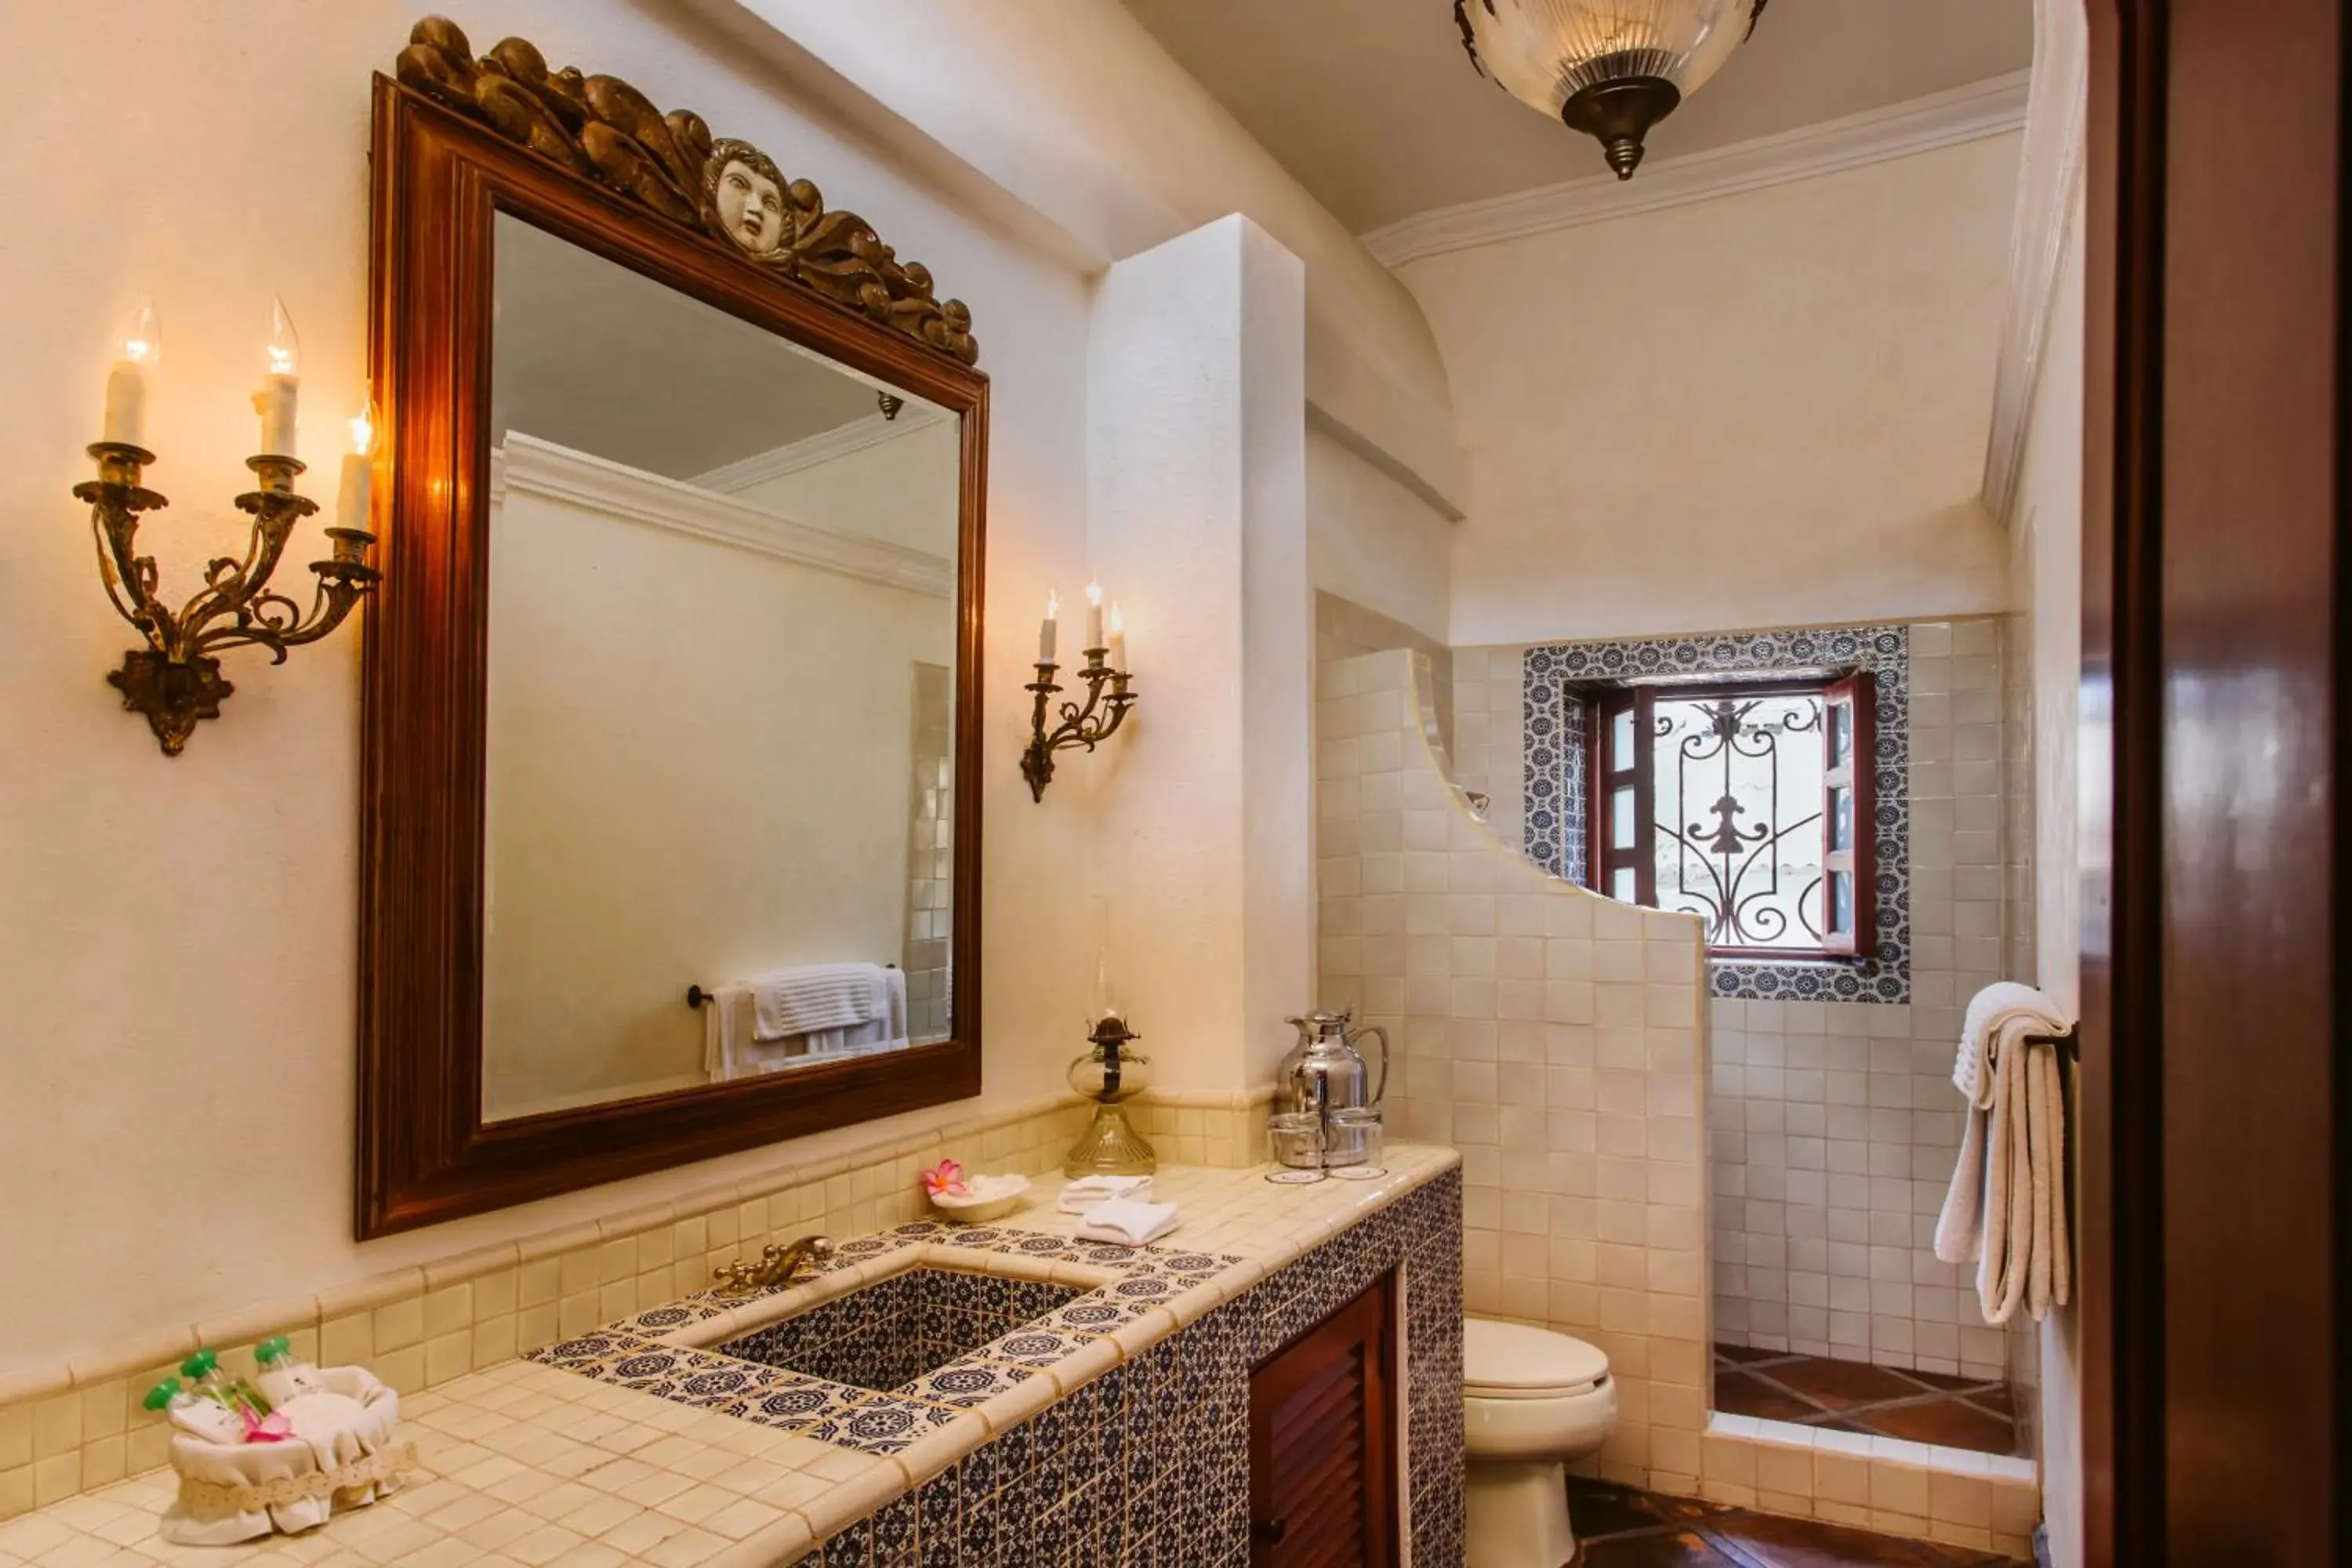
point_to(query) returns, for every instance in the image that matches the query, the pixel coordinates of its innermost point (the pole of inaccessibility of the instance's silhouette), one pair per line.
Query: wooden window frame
(1853, 692)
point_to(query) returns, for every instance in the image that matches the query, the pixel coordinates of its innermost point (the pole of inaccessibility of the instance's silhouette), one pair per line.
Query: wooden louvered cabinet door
(1323, 1443)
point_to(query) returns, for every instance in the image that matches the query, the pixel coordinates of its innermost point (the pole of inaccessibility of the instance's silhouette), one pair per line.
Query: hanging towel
(814, 998)
(2005, 1210)
(734, 1046)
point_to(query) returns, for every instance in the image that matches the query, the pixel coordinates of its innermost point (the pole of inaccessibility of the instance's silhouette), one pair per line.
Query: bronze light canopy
(1611, 68)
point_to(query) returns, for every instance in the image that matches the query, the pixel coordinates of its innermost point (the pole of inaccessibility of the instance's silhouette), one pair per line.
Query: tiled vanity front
(1091, 1413)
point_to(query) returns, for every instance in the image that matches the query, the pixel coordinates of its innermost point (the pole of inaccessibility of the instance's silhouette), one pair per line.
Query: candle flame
(1094, 593)
(364, 431)
(141, 344)
(1053, 603)
(285, 349)
(1118, 621)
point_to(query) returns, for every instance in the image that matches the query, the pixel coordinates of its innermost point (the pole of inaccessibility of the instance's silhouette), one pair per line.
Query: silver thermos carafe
(1324, 1072)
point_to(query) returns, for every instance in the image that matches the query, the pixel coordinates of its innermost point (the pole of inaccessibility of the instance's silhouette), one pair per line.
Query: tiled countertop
(532, 1464)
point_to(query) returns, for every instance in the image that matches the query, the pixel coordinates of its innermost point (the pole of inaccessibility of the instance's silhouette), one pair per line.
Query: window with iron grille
(1747, 802)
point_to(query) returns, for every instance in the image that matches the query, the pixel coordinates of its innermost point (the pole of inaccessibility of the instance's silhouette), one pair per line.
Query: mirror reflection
(721, 678)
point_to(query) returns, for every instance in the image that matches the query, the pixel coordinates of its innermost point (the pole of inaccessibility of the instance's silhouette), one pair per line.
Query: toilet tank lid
(1515, 1357)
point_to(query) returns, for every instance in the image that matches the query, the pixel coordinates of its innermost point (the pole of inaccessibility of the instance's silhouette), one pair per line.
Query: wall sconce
(1100, 717)
(175, 680)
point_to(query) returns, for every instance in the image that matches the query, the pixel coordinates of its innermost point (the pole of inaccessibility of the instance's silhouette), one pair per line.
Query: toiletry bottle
(202, 1372)
(283, 1374)
(206, 1418)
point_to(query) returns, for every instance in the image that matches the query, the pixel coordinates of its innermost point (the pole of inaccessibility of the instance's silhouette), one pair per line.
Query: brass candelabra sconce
(175, 682)
(1087, 724)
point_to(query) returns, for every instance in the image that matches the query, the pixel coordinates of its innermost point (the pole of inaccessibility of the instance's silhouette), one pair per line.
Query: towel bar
(696, 996)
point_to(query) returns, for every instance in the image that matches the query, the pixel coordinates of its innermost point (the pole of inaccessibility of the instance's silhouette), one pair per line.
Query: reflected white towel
(1127, 1222)
(2005, 1210)
(733, 1049)
(818, 998)
(1089, 1191)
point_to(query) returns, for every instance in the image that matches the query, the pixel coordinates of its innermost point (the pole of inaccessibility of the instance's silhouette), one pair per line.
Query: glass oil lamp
(1110, 1073)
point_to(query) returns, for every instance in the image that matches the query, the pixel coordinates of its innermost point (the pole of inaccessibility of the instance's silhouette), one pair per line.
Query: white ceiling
(1374, 107)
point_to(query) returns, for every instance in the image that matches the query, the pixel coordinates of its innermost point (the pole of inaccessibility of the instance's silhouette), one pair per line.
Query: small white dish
(992, 1198)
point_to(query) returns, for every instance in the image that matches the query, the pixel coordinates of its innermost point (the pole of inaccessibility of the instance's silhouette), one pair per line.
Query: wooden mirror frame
(440, 176)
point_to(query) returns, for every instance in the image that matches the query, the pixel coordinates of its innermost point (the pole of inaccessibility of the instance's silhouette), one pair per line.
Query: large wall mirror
(672, 697)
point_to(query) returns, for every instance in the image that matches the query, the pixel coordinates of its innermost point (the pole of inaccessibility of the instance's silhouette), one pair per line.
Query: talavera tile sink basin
(901, 1327)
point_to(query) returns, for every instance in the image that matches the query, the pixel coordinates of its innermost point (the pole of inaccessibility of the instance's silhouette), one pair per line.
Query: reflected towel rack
(2069, 1045)
(697, 997)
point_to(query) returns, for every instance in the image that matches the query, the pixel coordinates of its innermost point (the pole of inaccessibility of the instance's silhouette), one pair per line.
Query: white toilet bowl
(1532, 1400)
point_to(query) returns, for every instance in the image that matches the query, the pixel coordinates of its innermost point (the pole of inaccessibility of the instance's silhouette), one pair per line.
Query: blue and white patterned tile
(966, 1383)
(1553, 775)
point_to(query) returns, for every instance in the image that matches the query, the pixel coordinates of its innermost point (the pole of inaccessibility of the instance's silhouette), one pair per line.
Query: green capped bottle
(206, 1418)
(283, 1375)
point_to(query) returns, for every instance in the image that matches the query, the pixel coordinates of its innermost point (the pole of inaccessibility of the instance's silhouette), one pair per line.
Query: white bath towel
(2006, 1208)
(733, 1047)
(819, 998)
(1088, 1191)
(1127, 1222)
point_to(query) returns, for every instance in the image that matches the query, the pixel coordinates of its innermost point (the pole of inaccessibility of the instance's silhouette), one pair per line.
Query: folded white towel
(814, 998)
(733, 1047)
(1127, 1222)
(2005, 1210)
(1087, 1192)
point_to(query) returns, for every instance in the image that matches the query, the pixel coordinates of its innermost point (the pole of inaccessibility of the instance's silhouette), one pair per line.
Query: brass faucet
(775, 1269)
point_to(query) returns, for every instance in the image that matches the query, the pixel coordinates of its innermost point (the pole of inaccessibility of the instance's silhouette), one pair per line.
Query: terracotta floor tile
(1943, 1382)
(1997, 1399)
(1598, 1507)
(1766, 1541)
(1666, 1548)
(1745, 1394)
(1841, 1384)
(1947, 1422)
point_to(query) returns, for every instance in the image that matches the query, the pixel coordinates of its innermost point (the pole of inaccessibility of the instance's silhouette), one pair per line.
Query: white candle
(351, 508)
(275, 400)
(1117, 639)
(1093, 616)
(1046, 629)
(126, 383)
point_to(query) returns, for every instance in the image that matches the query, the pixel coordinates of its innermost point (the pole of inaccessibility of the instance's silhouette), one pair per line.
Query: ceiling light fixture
(1611, 68)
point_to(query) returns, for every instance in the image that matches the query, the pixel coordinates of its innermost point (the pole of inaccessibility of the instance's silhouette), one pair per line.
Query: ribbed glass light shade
(1561, 56)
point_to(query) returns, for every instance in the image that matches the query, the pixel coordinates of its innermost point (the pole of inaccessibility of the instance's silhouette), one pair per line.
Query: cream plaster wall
(1769, 409)
(1199, 510)
(1066, 118)
(177, 937)
(700, 770)
(1373, 541)
(2047, 555)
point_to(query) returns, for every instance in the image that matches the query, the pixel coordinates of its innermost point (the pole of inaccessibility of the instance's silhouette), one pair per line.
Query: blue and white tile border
(1552, 760)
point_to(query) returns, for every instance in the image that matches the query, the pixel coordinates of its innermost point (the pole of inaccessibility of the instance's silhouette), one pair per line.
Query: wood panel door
(1323, 1443)
(2217, 859)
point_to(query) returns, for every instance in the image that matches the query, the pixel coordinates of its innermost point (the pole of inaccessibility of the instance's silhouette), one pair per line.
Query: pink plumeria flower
(945, 1180)
(275, 1430)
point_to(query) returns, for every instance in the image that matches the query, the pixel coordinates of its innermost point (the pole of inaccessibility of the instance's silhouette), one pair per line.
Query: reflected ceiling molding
(1993, 107)
(529, 466)
(744, 473)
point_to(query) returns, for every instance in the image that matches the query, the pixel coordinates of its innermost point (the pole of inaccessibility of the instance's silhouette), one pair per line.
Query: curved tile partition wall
(1554, 1036)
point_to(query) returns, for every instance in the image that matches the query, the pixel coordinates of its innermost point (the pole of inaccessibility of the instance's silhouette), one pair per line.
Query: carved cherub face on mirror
(747, 192)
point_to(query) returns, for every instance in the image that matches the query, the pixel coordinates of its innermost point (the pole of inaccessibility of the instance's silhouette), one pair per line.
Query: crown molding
(526, 464)
(1989, 107)
(730, 478)
(2048, 190)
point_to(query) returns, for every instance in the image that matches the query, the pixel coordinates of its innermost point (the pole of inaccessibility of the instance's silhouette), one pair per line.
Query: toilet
(1532, 1400)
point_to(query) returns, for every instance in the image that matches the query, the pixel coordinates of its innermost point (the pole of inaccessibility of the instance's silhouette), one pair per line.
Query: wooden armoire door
(1323, 1438)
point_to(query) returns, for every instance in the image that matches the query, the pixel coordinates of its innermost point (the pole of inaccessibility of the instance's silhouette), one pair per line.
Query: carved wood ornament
(601, 128)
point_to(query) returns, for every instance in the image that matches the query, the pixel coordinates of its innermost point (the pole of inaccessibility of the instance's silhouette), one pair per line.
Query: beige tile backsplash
(78, 1426)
